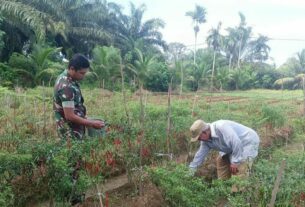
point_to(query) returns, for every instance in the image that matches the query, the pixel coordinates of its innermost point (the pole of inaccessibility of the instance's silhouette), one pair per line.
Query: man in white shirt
(236, 143)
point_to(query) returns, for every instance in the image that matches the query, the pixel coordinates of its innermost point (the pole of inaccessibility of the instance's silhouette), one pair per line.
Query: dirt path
(110, 184)
(121, 180)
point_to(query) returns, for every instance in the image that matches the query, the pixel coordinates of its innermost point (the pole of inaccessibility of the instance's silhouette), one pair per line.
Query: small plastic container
(92, 132)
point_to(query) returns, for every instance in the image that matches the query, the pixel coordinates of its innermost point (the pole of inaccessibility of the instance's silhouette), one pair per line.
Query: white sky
(278, 19)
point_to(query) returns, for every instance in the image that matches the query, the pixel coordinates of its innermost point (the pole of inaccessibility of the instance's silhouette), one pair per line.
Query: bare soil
(127, 195)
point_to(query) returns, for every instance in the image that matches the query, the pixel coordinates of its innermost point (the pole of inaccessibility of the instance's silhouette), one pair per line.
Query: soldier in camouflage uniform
(68, 103)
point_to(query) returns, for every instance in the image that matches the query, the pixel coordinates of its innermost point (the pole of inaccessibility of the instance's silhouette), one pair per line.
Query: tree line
(37, 36)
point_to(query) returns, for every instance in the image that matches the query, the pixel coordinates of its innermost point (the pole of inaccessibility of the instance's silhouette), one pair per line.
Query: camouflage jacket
(67, 93)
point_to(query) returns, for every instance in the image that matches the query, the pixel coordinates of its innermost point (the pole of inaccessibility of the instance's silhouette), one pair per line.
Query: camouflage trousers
(69, 130)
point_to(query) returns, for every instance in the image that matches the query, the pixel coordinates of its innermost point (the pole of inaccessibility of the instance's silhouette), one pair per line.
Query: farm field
(143, 163)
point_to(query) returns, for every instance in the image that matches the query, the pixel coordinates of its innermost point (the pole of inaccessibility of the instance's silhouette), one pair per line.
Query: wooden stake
(99, 196)
(277, 183)
(194, 103)
(142, 137)
(169, 116)
(44, 111)
(123, 92)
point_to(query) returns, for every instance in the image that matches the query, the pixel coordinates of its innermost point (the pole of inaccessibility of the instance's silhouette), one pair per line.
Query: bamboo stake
(99, 196)
(181, 88)
(44, 111)
(194, 103)
(14, 113)
(142, 136)
(277, 183)
(124, 93)
(190, 144)
(169, 115)
(8, 109)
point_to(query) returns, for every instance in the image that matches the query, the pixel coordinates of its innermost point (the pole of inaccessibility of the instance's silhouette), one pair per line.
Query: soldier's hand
(97, 124)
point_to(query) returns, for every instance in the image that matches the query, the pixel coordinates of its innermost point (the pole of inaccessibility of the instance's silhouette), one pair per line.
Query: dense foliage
(36, 38)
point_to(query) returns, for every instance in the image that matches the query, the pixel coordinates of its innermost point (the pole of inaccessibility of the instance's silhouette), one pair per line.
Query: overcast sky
(281, 20)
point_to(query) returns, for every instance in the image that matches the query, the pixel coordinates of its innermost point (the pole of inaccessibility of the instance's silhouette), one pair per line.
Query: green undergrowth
(32, 158)
(181, 189)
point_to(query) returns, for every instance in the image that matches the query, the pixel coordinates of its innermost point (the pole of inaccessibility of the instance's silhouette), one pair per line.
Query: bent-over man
(236, 143)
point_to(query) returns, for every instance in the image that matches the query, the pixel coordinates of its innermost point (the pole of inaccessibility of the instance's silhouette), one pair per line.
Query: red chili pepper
(302, 197)
(117, 142)
(145, 152)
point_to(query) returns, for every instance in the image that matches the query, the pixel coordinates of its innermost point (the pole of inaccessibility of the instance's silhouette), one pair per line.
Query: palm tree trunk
(50, 80)
(195, 48)
(236, 85)
(230, 62)
(181, 88)
(238, 61)
(100, 83)
(213, 68)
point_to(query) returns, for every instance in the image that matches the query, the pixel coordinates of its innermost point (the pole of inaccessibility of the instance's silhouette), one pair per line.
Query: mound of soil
(128, 196)
(152, 197)
(269, 136)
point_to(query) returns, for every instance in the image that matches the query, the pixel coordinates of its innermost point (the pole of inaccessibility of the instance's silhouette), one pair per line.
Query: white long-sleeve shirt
(228, 137)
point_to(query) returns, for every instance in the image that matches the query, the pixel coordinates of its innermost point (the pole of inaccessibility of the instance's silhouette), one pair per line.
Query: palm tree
(38, 66)
(69, 24)
(2, 33)
(180, 66)
(21, 23)
(81, 27)
(176, 54)
(229, 45)
(196, 73)
(18, 13)
(214, 40)
(198, 17)
(236, 43)
(175, 51)
(106, 64)
(133, 33)
(242, 79)
(259, 49)
(141, 67)
(222, 77)
(301, 60)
